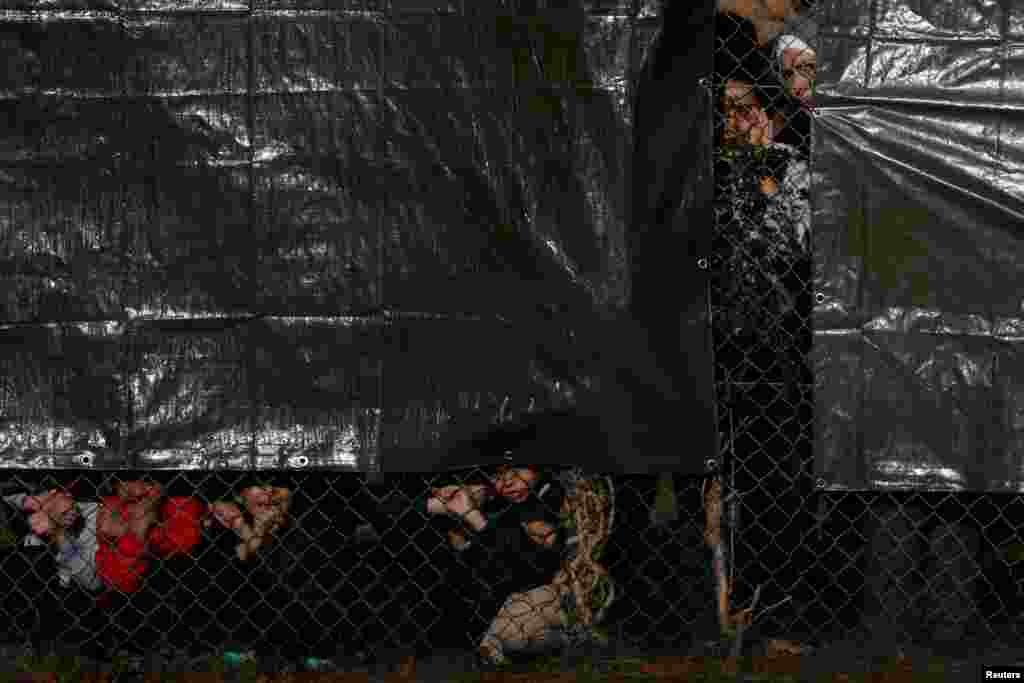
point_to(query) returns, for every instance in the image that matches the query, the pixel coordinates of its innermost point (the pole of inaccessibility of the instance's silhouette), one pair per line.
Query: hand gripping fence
(329, 564)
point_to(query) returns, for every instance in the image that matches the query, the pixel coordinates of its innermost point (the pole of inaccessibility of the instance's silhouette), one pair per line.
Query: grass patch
(695, 669)
(703, 669)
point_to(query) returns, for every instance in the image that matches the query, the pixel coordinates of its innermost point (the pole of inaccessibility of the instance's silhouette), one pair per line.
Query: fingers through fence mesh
(503, 560)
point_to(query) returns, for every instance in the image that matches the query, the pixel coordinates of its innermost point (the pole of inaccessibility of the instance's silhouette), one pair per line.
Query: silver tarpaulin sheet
(307, 232)
(919, 245)
(295, 232)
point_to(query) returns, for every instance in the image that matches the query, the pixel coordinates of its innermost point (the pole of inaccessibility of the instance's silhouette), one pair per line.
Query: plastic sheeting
(215, 213)
(919, 245)
(304, 233)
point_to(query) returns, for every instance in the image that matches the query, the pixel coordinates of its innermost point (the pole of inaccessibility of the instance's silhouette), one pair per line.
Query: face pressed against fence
(519, 623)
(50, 512)
(910, 580)
(513, 620)
(514, 483)
(798, 64)
(745, 118)
(115, 545)
(757, 361)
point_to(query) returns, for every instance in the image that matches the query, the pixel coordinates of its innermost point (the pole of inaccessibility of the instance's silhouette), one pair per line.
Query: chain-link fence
(761, 305)
(901, 566)
(326, 563)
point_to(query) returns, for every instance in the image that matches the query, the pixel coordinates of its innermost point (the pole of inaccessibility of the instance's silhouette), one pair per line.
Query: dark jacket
(502, 555)
(763, 253)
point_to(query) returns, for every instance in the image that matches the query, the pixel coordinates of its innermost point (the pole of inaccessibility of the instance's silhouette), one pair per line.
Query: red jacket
(122, 563)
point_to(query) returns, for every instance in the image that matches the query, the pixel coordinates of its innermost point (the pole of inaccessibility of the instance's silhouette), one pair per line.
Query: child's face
(257, 498)
(514, 484)
(743, 112)
(263, 501)
(799, 67)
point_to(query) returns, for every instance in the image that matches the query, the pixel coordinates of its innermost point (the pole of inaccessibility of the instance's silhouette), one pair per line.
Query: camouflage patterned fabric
(587, 515)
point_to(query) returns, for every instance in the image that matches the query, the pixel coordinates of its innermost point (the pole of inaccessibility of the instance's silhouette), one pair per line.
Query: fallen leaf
(779, 647)
(408, 667)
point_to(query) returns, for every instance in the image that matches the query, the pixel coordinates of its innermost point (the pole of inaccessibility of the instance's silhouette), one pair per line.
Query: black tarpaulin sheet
(919, 245)
(259, 234)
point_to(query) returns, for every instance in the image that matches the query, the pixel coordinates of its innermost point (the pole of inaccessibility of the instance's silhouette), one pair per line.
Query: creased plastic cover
(919, 246)
(304, 233)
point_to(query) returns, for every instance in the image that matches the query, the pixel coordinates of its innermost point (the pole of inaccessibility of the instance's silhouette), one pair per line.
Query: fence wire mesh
(321, 562)
(761, 301)
(314, 563)
(899, 566)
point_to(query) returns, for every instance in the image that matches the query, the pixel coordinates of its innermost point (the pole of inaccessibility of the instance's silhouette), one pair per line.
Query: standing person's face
(514, 484)
(799, 68)
(745, 118)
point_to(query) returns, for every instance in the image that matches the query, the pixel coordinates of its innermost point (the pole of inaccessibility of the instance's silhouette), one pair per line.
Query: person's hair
(739, 58)
(786, 41)
(231, 484)
(785, 102)
(258, 480)
(119, 476)
(502, 469)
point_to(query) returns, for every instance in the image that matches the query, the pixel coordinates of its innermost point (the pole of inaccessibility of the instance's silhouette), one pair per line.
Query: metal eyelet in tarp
(919, 248)
(266, 233)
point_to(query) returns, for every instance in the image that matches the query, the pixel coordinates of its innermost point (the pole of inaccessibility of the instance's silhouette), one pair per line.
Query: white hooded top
(76, 557)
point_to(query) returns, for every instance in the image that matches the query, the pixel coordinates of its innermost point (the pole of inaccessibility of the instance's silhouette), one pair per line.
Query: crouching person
(565, 521)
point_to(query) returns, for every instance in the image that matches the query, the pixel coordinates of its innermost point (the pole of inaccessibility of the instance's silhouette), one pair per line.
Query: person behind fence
(266, 511)
(256, 560)
(566, 519)
(796, 63)
(780, 200)
(109, 543)
(669, 222)
(55, 517)
(762, 196)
